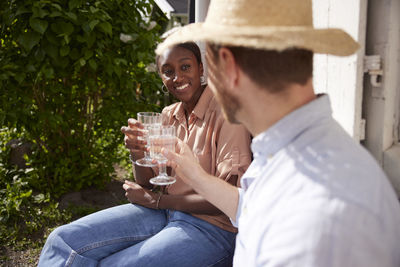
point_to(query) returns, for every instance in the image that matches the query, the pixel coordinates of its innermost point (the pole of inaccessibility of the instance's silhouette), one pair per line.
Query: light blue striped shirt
(314, 197)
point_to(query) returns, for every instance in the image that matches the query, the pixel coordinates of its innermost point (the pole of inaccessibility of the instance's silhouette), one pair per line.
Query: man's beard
(230, 105)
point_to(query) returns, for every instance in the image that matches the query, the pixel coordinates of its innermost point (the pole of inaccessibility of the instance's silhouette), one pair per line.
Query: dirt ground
(112, 195)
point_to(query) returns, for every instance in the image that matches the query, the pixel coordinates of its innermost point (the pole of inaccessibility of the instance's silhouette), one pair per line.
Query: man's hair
(272, 69)
(192, 47)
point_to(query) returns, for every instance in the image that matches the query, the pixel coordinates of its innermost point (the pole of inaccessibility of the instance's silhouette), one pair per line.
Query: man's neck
(264, 109)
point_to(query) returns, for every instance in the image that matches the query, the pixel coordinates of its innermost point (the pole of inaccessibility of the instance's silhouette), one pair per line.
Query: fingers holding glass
(147, 120)
(159, 138)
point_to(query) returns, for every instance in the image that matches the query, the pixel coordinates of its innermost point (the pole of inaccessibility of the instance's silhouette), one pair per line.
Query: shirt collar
(289, 127)
(201, 107)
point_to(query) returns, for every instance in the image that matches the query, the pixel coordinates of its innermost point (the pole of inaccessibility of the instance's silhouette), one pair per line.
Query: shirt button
(244, 210)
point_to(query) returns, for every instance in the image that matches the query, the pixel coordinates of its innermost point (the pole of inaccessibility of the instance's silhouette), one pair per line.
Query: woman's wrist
(160, 194)
(166, 201)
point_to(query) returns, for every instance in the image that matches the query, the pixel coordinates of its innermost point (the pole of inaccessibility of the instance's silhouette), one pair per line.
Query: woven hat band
(257, 13)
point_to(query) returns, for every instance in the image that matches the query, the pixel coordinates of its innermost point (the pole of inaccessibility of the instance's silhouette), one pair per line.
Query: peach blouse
(222, 148)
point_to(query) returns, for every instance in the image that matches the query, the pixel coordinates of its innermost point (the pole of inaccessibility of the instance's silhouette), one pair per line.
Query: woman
(178, 227)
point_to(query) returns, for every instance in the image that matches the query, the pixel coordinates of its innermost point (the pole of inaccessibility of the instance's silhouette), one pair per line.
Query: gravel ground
(25, 258)
(112, 195)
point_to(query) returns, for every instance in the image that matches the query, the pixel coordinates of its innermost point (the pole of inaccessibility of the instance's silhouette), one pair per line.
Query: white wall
(382, 104)
(341, 77)
(201, 9)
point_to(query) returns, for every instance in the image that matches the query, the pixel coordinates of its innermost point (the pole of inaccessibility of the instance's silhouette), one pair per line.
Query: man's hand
(139, 195)
(221, 194)
(184, 163)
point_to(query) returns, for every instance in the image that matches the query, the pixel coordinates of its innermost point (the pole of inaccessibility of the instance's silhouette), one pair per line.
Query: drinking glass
(161, 137)
(147, 119)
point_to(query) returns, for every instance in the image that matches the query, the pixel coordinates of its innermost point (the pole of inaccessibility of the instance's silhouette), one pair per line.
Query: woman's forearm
(193, 203)
(142, 174)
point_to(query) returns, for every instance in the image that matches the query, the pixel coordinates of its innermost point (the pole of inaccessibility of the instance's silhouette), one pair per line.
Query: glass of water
(161, 137)
(147, 119)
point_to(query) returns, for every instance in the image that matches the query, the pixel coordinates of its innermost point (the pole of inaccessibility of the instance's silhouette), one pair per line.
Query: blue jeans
(131, 235)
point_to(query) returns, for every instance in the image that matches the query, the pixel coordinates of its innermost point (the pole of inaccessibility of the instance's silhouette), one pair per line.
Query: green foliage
(71, 73)
(23, 212)
(69, 83)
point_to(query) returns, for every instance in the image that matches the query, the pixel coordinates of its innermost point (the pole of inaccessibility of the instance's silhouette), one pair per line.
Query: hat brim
(324, 41)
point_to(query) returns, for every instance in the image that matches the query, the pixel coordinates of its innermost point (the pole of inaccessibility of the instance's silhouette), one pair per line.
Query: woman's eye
(185, 67)
(168, 72)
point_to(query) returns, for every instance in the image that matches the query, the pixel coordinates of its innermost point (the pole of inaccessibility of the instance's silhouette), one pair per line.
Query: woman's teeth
(182, 87)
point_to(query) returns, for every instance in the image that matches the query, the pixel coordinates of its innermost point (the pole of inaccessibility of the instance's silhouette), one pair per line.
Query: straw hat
(264, 24)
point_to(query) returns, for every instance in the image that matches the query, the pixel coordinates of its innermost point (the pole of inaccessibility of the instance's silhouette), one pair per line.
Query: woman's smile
(182, 87)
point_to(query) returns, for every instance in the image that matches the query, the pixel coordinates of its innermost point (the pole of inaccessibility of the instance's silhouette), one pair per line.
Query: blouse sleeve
(233, 154)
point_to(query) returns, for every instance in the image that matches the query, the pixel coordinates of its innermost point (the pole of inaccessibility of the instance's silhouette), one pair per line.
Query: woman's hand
(132, 136)
(139, 195)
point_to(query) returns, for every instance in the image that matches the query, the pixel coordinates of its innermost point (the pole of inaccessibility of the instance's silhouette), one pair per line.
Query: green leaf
(28, 40)
(55, 14)
(68, 28)
(67, 39)
(51, 50)
(119, 61)
(38, 12)
(52, 38)
(64, 51)
(93, 64)
(62, 28)
(117, 70)
(82, 62)
(22, 10)
(91, 39)
(93, 24)
(88, 53)
(93, 9)
(20, 77)
(57, 6)
(74, 4)
(71, 16)
(74, 54)
(30, 68)
(38, 25)
(61, 62)
(86, 27)
(26, 194)
(40, 198)
(106, 27)
(39, 54)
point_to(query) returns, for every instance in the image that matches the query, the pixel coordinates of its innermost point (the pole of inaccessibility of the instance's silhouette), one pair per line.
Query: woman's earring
(202, 80)
(164, 89)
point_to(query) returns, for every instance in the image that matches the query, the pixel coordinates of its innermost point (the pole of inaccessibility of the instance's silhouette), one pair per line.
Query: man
(312, 196)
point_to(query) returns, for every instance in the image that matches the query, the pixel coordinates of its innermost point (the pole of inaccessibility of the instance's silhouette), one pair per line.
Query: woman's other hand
(139, 195)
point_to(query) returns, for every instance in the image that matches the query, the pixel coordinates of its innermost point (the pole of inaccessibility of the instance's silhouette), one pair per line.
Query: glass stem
(146, 155)
(162, 168)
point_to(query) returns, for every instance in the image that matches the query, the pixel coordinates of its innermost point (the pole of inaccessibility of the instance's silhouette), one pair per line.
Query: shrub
(71, 73)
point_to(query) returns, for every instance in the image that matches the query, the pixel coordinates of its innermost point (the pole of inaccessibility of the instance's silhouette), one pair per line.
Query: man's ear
(229, 67)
